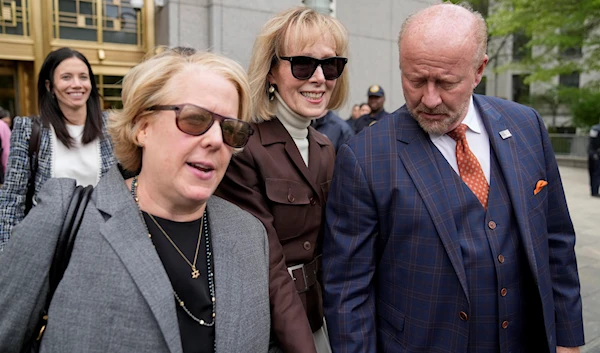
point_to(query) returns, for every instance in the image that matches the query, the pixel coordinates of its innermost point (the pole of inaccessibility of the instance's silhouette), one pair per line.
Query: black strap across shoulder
(62, 255)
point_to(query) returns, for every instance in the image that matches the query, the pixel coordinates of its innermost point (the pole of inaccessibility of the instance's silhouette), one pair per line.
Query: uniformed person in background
(376, 100)
(594, 159)
(334, 127)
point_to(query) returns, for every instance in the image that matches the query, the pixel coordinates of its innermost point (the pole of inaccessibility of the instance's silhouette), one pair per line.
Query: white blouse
(80, 162)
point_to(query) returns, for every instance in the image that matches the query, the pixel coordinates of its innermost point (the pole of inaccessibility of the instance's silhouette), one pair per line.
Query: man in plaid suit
(414, 261)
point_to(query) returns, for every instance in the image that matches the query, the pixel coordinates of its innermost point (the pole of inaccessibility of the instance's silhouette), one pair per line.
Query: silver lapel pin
(505, 134)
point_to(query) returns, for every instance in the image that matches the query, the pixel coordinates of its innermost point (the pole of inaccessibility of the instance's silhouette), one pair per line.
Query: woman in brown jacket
(283, 174)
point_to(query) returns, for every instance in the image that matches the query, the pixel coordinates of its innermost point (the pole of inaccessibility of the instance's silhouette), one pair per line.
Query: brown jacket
(270, 180)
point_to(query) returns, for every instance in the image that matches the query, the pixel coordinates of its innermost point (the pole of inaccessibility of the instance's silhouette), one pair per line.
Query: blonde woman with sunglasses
(159, 263)
(283, 175)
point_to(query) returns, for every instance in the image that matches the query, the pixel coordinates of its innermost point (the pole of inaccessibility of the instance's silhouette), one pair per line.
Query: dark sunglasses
(194, 120)
(303, 67)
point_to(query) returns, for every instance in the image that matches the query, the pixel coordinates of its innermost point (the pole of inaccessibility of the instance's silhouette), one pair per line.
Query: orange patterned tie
(468, 166)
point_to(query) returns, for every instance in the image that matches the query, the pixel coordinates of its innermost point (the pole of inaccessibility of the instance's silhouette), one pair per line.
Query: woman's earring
(271, 91)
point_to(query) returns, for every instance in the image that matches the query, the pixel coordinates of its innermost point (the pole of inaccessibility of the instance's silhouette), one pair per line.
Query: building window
(573, 52)
(13, 15)
(101, 21)
(573, 35)
(480, 89)
(520, 90)
(326, 7)
(520, 49)
(569, 80)
(110, 88)
(120, 24)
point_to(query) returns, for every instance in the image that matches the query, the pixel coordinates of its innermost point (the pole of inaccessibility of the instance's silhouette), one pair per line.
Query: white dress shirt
(477, 137)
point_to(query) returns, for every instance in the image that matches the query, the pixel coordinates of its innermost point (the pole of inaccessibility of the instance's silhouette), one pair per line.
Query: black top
(193, 292)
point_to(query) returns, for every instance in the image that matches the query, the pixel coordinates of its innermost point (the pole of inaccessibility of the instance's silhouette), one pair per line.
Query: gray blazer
(115, 295)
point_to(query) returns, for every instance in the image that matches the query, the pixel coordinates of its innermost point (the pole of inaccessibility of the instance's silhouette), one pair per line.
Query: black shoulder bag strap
(34, 151)
(62, 255)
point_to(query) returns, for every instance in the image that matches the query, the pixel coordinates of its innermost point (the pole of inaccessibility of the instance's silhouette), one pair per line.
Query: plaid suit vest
(498, 276)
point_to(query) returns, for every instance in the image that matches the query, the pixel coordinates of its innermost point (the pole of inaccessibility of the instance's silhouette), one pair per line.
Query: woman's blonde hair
(300, 27)
(145, 85)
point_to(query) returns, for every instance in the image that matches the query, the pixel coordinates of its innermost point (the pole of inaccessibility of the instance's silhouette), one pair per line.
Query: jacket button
(313, 201)
(492, 225)
(463, 316)
(291, 198)
(504, 324)
(503, 292)
(307, 245)
(501, 259)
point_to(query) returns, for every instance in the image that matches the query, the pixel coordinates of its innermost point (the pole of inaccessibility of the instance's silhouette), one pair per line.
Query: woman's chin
(199, 194)
(313, 112)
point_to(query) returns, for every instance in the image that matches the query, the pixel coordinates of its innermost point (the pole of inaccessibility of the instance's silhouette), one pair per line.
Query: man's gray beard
(437, 127)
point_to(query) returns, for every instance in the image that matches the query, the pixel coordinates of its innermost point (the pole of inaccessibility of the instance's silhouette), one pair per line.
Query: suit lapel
(417, 156)
(228, 297)
(273, 131)
(315, 155)
(508, 159)
(125, 232)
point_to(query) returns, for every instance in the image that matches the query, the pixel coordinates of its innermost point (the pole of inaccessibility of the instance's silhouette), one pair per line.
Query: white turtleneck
(295, 124)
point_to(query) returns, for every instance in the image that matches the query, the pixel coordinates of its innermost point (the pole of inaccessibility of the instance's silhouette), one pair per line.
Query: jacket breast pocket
(539, 199)
(290, 203)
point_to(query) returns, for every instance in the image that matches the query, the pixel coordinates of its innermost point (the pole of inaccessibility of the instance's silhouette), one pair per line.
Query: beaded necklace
(211, 283)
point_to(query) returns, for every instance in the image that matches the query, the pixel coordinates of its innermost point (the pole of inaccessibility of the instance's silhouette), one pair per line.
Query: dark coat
(270, 180)
(337, 130)
(368, 120)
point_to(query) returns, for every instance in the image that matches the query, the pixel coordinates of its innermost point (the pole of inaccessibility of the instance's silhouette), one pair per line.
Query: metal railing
(569, 144)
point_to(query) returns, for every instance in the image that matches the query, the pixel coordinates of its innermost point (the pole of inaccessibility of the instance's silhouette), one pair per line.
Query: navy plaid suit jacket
(394, 278)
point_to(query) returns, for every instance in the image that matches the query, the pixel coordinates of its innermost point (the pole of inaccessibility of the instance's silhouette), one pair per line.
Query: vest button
(307, 245)
(313, 201)
(504, 324)
(503, 292)
(501, 259)
(291, 198)
(463, 316)
(492, 225)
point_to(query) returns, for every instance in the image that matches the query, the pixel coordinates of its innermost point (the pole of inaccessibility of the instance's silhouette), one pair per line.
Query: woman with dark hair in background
(73, 142)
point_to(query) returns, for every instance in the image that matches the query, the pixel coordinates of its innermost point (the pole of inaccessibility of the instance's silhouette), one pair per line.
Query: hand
(567, 349)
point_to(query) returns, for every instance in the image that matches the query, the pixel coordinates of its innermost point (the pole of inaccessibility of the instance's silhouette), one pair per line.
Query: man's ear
(480, 70)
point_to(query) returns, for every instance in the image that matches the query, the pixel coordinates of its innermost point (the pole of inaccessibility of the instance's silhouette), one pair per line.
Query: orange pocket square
(539, 186)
